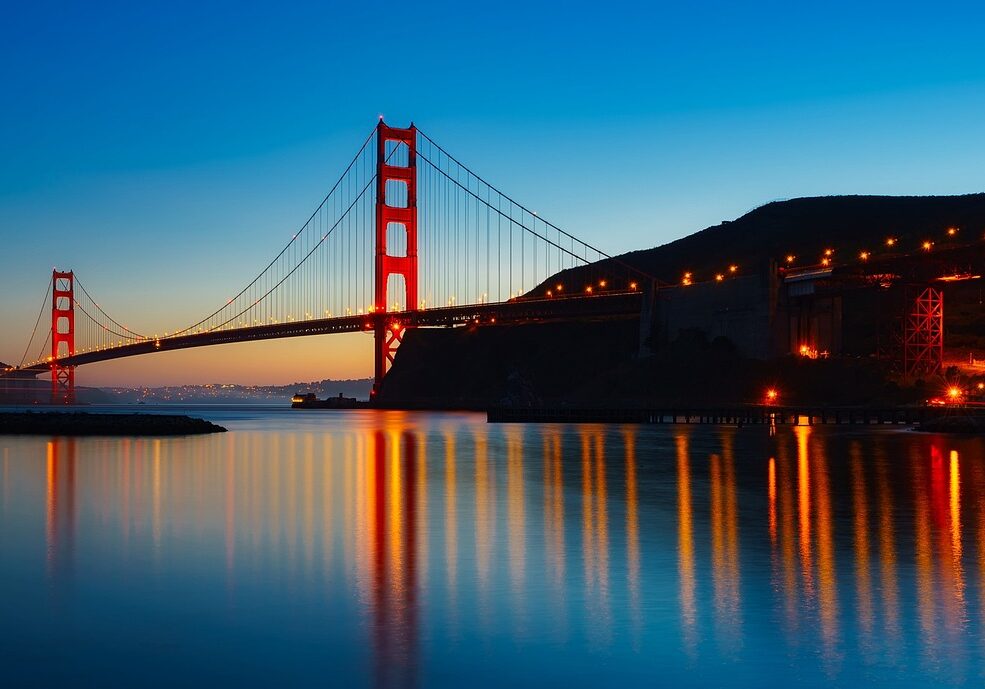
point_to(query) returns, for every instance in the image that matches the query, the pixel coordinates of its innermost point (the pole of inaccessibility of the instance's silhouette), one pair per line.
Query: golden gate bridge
(410, 237)
(407, 237)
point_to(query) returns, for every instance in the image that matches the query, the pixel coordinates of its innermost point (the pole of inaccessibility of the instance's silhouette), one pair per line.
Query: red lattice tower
(923, 334)
(62, 333)
(389, 330)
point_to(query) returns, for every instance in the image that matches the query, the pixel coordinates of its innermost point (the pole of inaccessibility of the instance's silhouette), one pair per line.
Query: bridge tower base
(389, 331)
(62, 333)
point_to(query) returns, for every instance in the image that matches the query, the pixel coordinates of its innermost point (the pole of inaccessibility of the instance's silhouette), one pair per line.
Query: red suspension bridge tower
(389, 331)
(62, 333)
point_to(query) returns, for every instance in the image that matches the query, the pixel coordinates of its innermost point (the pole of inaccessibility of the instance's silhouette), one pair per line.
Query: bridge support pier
(62, 333)
(389, 333)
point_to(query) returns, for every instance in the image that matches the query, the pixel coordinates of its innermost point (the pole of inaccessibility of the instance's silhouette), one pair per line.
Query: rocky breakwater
(81, 423)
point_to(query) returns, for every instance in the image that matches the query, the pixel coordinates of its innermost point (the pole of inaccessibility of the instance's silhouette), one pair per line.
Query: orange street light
(863, 255)
(719, 277)
(733, 268)
(632, 285)
(829, 252)
(951, 231)
(772, 396)
(790, 258)
(927, 245)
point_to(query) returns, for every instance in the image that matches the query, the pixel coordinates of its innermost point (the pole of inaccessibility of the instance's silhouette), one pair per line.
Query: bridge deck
(597, 306)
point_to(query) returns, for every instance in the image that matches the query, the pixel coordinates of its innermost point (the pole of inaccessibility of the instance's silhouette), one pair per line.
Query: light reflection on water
(395, 549)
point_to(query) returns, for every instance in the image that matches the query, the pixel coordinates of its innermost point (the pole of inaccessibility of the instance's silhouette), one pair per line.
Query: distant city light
(733, 268)
(927, 245)
(864, 255)
(790, 258)
(891, 241)
(951, 231)
(719, 277)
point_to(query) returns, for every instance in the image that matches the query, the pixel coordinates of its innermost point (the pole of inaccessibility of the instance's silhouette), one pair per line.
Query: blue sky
(166, 151)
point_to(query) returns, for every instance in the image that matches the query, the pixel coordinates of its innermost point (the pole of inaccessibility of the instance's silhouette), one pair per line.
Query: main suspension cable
(523, 208)
(135, 335)
(289, 244)
(44, 302)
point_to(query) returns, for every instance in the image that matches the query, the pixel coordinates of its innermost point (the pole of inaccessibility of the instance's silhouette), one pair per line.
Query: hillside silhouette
(803, 227)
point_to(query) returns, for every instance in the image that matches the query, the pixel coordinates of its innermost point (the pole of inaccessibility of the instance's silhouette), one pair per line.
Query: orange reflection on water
(484, 511)
(954, 489)
(554, 504)
(595, 529)
(308, 501)
(827, 573)
(887, 554)
(924, 557)
(395, 514)
(725, 543)
(421, 511)
(60, 488)
(771, 494)
(685, 541)
(788, 546)
(804, 507)
(451, 520)
(328, 501)
(632, 531)
(863, 580)
(516, 523)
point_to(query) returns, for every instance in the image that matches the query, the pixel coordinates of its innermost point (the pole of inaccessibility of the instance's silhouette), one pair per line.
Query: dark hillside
(805, 227)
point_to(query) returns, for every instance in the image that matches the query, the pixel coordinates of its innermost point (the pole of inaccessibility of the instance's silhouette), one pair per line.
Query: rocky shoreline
(82, 423)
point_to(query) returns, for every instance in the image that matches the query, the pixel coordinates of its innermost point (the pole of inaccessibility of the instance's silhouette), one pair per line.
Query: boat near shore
(310, 401)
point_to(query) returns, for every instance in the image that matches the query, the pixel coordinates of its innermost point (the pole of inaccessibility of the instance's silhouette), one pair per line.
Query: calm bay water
(403, 549)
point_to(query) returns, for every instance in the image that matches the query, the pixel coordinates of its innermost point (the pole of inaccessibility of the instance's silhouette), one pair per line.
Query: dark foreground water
(390, 549)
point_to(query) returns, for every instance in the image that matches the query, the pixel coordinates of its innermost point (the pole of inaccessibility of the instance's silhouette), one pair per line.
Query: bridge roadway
(581, 307)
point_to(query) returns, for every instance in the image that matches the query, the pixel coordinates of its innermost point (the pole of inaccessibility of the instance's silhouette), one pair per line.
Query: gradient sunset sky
(166, 151)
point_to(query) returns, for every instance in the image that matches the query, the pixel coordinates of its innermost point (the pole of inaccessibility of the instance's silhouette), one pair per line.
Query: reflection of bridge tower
(60, 502)
(393, 535)
(389, 180)
(62, 333)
